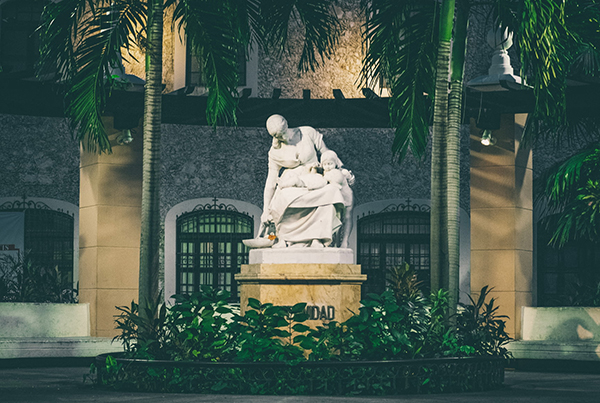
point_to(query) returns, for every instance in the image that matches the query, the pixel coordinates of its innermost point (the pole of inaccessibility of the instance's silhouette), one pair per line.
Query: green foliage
(389, 326)
(402, 51)
(144, 330)
(199, 327)
(264, 333)
(81, 42)
(579, 293)
(381, 329)
(193, 329)
(571, 190)
(480, 327)
(22, 279)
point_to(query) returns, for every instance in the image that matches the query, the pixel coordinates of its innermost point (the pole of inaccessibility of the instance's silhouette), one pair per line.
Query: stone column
(502, 219)
(109, 235)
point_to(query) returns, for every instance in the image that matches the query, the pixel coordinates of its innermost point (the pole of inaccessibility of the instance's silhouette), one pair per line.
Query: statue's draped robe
(302, 214)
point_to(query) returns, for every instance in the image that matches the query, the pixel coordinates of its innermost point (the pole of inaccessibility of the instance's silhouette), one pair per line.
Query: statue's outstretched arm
(270, 185)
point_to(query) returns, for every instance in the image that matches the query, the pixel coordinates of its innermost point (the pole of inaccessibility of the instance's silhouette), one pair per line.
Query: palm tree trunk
(150, 231)
(451, 283)
(439, 238)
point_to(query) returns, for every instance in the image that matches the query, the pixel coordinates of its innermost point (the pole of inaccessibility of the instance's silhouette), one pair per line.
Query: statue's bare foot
(316, 244)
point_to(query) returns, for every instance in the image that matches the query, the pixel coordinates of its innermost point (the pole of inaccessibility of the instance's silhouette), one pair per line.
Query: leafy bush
(481, 328)
(398, 324)
(264, 333)
(23, 280)
(389, 326)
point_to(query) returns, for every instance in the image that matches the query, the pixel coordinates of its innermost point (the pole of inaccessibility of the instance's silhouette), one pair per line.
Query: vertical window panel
(387, 240)
(213, 249)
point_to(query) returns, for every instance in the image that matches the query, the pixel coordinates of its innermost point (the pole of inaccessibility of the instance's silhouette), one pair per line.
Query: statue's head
(276, 124)
(277, 127)
(330, 160)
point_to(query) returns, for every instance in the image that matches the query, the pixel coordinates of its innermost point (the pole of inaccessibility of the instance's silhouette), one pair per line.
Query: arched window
(47, 236)
(210, 249)
(387, 239)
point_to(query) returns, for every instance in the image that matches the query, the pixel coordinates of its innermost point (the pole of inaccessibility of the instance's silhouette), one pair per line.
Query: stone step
(555, 350)
(56, 347)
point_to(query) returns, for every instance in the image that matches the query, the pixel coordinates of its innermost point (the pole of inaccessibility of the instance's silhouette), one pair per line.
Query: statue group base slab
(325, 279)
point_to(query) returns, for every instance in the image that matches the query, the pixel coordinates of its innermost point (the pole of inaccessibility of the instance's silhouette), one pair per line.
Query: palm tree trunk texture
(150, 231)
(451, 283)
(439, 237)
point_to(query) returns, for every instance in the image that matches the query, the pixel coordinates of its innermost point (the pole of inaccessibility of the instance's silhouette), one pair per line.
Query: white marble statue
(334, 173)
(305, 206)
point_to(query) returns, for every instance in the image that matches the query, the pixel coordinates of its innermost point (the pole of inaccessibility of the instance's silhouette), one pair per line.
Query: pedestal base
(331, 290)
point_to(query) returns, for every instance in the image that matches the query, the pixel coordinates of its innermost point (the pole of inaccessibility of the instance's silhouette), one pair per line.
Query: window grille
(210, 249)
(48, 237)
(390, 238)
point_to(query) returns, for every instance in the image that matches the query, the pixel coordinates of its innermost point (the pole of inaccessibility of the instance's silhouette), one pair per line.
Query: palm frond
(210, 27)
(542, 40)
(401, 36)
(506, 13)
(318, 20)
(248, 21)
(564, 179)
(583, 21)
(581, 218)
(85, 51)
(60, 29)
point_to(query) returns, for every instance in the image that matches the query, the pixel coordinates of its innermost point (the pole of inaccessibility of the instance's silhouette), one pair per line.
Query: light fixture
(500, 75)
(125, 137)
(486, 138)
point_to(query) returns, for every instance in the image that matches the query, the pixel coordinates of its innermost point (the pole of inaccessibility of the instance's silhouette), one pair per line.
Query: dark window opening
(19, 41)
(386, 240)
(210, 249)
(48, 239)
(567, 276)
(193, 69)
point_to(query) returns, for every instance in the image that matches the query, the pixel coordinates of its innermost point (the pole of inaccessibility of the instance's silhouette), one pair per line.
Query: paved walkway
(66, 384)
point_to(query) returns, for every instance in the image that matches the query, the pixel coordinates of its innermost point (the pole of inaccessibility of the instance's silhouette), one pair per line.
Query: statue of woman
(305, 208)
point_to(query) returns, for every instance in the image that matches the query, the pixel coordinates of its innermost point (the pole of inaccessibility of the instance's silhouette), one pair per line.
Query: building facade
(212, 179)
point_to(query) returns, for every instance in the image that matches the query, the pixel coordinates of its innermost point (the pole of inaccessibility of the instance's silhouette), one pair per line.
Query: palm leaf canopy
(556, 41)
(571, 194)
(82, 40)
(402, 49)
(317, 21)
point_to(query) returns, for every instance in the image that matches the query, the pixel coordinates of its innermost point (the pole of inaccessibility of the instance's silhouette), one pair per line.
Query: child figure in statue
(335, 174)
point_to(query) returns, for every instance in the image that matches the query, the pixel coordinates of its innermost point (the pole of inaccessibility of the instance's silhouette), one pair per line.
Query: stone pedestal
(326, 279)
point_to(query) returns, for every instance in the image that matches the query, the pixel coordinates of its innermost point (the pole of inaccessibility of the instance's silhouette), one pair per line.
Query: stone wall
(39, 158)
(341, 71)
(232, 163)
